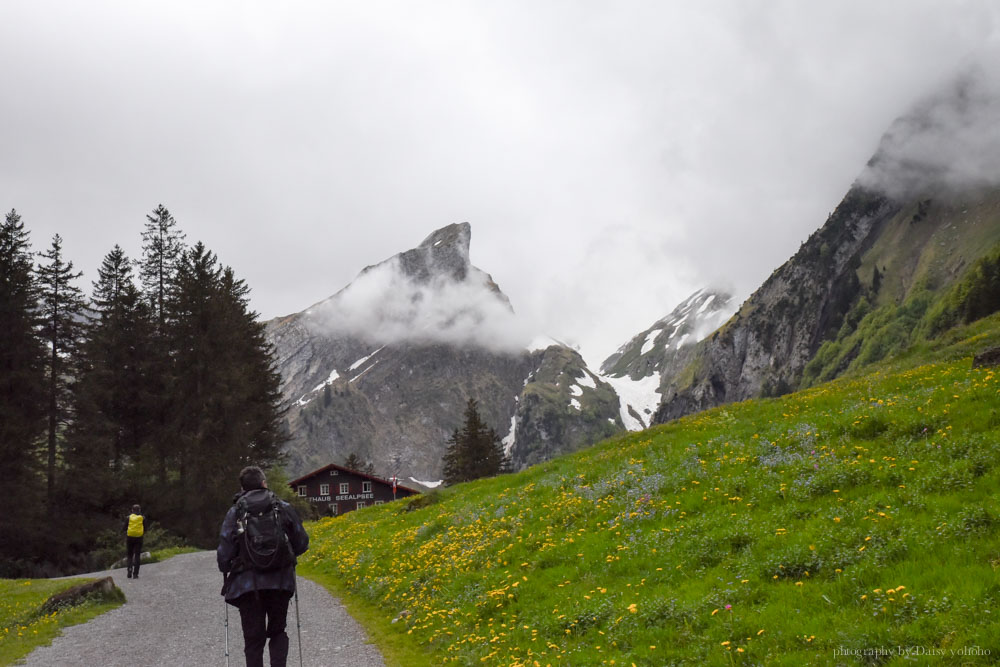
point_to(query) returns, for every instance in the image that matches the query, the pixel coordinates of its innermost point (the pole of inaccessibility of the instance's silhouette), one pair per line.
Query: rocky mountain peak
(443, 254)
(693, 319)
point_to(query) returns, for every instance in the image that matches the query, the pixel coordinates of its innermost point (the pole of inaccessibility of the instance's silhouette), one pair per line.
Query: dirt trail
(175, 616)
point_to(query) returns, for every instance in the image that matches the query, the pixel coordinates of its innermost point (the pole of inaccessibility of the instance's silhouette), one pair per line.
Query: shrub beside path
(175, 616)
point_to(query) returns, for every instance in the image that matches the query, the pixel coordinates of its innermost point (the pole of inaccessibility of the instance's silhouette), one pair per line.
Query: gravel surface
(175, 616)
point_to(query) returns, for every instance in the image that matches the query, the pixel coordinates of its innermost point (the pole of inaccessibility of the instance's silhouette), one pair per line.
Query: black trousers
(133, 547)
(263, 615)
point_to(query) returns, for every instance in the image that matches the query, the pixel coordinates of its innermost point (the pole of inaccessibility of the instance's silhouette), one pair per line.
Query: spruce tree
(22, 402)
(474, 451)
(162, 249)
(61, 326)
(353, 461)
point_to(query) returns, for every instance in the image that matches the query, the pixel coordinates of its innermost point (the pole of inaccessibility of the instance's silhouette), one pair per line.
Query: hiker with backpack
(135, 528)
(260, 539)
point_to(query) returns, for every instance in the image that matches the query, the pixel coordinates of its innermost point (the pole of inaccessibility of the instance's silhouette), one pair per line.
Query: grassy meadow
(23, 625)
(851, 523)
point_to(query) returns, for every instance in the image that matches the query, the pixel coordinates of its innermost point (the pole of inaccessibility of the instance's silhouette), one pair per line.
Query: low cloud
(711, 322)
(949, 144)
(385, 305)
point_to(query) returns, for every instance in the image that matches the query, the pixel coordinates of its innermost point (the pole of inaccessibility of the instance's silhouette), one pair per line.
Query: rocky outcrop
(99, 589)
(563, 407)
(988, 358)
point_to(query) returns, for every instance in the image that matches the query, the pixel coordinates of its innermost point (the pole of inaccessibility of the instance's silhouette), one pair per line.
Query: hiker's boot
(129, 575)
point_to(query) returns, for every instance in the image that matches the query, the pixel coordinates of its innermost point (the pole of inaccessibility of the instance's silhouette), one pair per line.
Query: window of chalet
(344, 487)
(302, 490)
(361, 504)
(366, 487)
(324, 489)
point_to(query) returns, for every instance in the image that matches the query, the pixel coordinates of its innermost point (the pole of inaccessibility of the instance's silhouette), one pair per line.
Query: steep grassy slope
(858, 516)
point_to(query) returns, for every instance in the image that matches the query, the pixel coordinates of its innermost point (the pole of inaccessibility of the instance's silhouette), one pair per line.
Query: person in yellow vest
(135, 528)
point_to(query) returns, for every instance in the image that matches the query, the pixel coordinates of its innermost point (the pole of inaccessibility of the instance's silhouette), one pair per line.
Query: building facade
(335, 490)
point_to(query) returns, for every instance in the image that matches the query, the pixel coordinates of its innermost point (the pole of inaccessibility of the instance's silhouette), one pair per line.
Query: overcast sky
(611, 157)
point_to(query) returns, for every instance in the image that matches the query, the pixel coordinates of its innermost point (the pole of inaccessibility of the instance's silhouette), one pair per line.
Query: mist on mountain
(948, 145)
(404, 299)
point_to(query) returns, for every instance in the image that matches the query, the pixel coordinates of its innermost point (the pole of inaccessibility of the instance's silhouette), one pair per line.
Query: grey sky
(612, 157)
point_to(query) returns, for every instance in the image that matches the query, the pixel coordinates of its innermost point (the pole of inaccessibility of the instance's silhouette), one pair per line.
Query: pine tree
(22, 402)
(474, 451)
(62, 311)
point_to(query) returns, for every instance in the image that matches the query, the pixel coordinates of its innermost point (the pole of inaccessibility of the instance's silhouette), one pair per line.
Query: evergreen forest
(154, 386)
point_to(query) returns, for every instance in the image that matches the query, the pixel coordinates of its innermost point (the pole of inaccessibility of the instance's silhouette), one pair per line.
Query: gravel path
(175, 616)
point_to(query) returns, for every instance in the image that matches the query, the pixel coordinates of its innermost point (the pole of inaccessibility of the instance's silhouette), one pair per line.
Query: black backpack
(260, 532)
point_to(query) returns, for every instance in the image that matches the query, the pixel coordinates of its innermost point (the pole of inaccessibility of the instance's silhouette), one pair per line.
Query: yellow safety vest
(134, 525)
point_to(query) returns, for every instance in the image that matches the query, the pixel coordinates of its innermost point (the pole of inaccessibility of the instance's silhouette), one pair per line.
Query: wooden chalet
(334, 489)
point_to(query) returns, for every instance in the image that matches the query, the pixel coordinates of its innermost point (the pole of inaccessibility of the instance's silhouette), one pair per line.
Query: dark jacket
(247, 581)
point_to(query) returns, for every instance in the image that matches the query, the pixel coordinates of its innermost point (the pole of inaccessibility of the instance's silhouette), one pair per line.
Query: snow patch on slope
(508, 440)
(650, 340)
(357, 364)
(429, 485)
(330, 380)
(642, 395)
(307, 398)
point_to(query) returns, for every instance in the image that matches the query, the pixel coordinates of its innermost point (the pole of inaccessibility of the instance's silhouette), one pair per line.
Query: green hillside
(857, 516)
(938, 278)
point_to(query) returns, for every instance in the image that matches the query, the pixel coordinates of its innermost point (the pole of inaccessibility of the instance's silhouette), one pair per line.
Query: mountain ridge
(900, 238)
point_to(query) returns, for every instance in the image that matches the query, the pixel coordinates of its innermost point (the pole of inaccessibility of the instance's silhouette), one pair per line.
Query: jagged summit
(445, 253)
(430, 289)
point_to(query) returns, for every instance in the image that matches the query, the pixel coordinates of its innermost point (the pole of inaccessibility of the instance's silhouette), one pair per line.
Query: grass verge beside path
(23, 626)
(161, 555)
(397, 650)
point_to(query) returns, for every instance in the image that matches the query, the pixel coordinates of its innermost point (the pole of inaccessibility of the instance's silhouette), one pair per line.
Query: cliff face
(384, 368)
(764, 347)
(925, 207)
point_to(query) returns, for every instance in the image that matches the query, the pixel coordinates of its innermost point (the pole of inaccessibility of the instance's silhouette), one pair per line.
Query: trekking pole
(226, 605)
(298, 623)
(225, 584)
